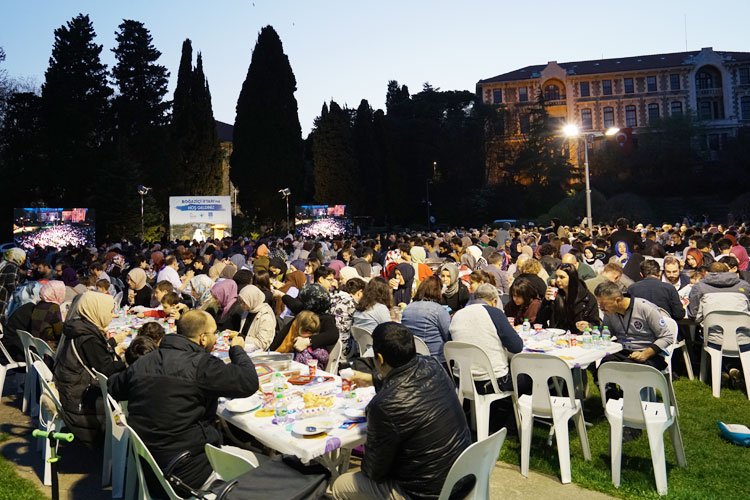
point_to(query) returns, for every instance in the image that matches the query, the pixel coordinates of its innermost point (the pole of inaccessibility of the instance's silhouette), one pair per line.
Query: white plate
(242, 405)
(312, 426)
(355, 413)
(555, 331)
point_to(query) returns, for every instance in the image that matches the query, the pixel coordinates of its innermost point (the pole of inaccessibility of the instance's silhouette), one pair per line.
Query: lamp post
(285, 193)
(427, 201)
(143, 191)
(571, 131)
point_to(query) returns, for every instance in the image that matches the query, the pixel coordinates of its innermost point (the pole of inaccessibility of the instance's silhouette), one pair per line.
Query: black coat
(416, 429)
(172, 395)
(585, 308)
(661, 294)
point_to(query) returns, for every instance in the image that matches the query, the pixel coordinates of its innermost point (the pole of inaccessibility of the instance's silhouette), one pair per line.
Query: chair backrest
(363, 339)
(64, 308)
(465, 357)
(43, 348)
(632, 378)
(334, 357)
(540, 368)
(728, 322)
(5, 354)
(421, 346)
(118, 300)
(228, 465)
(45, 380)
(142, 454)
(27, 341)
(477, 460)
(115, 423)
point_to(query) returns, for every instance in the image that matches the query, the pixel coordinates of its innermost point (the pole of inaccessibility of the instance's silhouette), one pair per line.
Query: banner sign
(200, 217)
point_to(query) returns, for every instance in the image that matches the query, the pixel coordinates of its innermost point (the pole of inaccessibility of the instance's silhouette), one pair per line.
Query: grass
(12, 486)
(715, 467)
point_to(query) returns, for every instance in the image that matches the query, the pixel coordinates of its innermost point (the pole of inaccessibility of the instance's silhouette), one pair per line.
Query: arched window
(586, 120)
(653, 112)
(552, 93)
(707, 78)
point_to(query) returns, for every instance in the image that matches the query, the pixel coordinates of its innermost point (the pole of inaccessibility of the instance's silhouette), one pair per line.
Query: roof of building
(618, 64)
(225, 131)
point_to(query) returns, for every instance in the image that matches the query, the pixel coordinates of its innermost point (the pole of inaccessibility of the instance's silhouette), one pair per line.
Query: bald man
(173, 392)
(584, 270)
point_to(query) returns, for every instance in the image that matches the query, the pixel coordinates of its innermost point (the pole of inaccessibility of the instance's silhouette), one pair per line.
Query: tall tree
(75, 109)
(196, 158)
(268, 149)
(337, 179)
(370, 160)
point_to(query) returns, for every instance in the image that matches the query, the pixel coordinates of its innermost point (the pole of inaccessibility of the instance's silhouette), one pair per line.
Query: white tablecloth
(575, 357)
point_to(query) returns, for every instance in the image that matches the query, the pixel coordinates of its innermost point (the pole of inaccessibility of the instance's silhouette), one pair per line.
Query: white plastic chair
(466, 356)
(421, 346)
(118, 301)
(477, 460)
(229, 465)
(115, 457)
(631, 411)
(334, 357)
(29, 388)
(363, 339)
(64, 308)
(7, 363)
(542, 367)
(50, 416)
(729, 322)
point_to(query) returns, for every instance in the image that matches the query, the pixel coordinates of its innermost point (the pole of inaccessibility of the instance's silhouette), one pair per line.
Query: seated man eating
(173, 391)
(416, 428)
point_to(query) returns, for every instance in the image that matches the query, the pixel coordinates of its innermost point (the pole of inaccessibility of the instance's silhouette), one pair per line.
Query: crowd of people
(303, 295)
(61, 235)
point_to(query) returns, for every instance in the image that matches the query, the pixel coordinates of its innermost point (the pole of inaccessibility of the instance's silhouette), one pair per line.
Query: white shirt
(169, 274)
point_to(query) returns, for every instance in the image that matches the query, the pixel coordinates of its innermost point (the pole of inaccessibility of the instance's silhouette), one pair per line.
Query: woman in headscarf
(392, 259)
(418, 257)
(200, 289)
(337, 266)
(46, 318)
(10, 275)
(262, 330)
(262, 260)
(402, 282)
(238, 260)
(228, 272)
(277, 269)
(139, 293)
(293, 283)
(455, 295)
(214, 272)
(630, 261)
(73, 287)
(476, 261)
(223, 296)
(157, 261)
(693, 259)
(87, 348)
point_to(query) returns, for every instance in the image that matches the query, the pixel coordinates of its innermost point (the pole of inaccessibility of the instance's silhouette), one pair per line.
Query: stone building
(627, 93)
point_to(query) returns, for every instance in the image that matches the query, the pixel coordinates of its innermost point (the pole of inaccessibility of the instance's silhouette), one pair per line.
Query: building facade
(628, 92)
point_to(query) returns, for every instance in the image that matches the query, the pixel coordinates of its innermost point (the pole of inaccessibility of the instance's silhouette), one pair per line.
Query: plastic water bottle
(526, 328)
(586, 339)
(596, 338)
(280, 410)
(278, 383)
(606, 336)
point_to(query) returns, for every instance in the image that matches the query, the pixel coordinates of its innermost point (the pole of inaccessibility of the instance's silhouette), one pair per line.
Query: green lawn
(716, 468)
(14, 487)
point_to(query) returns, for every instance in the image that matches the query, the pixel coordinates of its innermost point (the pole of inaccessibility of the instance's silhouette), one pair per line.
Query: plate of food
(355, 414)
(306, 379)
(314, 426)
(242, 405)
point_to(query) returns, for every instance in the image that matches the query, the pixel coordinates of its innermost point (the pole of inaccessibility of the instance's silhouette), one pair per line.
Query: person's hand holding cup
(551, 293)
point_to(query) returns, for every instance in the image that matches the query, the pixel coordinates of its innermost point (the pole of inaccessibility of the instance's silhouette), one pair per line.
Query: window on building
(675, 108)
(628, 84)
(609, 117)
(705, 80)
(551, 93)
(674, 81)
(651, 84)
(631, 116)
(497, 96)
(607, 87)
(523, 94)
(653, 112)
(704, 110)
(585, 91)
(587, 122)
(745, 107)
(524, 123)
(744, 76)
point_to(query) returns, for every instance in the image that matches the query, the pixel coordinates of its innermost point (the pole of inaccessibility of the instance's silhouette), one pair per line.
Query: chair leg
(47, 479)
(527, 422)
(119, 466)
(658, 460)
(482, 418)
(688, 363)
(26, 390)
(582, 434)
(107, 457)
(715, 357)
(3, 371)
(704, 368)
(745, 363)
(563, 448)
(679, 449)
(131, 476)
(615, 449)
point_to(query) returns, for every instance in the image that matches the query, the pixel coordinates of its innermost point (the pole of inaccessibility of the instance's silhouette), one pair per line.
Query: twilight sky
(347, 50)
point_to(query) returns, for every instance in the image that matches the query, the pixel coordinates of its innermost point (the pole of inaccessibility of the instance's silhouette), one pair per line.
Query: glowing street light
(572, 131)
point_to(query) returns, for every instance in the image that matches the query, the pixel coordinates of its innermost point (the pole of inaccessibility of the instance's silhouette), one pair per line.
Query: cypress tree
(182, 130)
(267, 144)
(370, 161)
(75, 110)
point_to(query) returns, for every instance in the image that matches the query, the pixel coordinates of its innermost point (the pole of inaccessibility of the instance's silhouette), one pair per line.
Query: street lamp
(571, 131)
(285, 193)
(427, 201)
(143, 191)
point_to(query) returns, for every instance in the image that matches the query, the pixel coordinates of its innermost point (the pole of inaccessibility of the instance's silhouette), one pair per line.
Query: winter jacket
(364, 268)
(585, 308)
(172, 396)
(661, 294)
(716, 282)
(416, 429)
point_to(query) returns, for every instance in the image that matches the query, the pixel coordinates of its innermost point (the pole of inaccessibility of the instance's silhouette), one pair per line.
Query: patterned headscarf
(16, 256)
(53, 291)
(315, 298)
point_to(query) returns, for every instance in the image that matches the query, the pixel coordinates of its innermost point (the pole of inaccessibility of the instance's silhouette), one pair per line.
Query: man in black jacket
(416, 428)
(172, 393)
(657, 292)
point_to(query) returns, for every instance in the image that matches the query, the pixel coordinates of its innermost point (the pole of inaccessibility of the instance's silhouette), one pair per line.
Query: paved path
(80, 468)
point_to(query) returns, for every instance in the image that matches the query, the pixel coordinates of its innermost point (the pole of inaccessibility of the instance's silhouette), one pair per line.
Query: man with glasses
(173, 393)
(325, 277)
